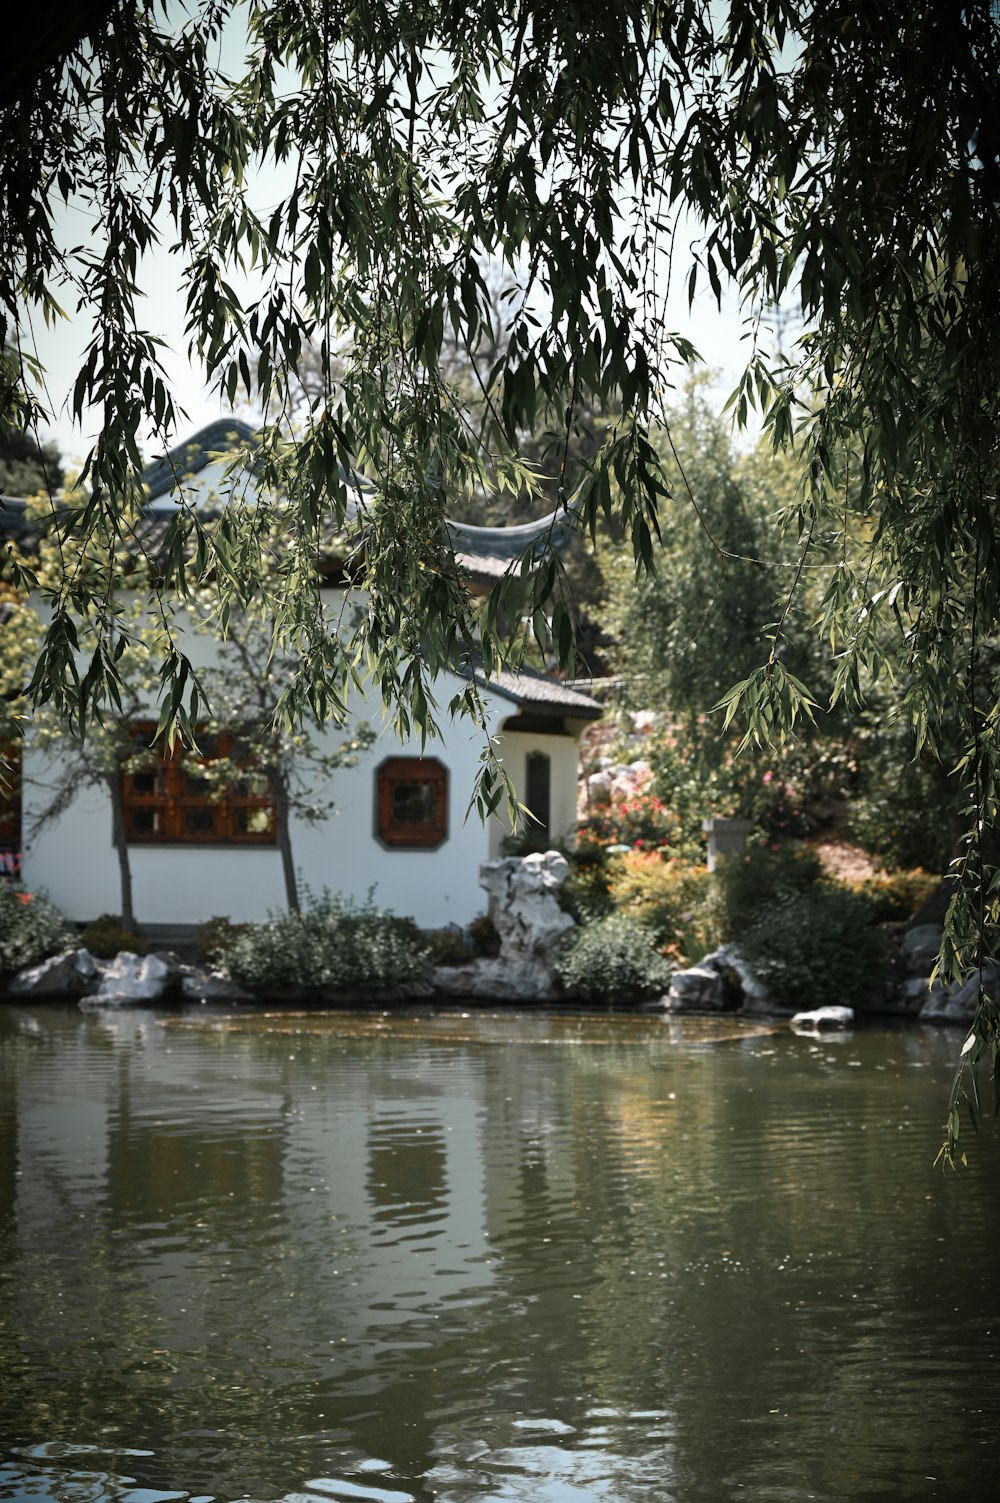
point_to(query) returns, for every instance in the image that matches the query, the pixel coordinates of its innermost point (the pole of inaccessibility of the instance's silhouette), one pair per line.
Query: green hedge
(615, 959)
(31, 929)
(333, 945)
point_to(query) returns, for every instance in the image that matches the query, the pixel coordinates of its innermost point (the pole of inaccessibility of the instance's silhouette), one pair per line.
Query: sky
(716, 335)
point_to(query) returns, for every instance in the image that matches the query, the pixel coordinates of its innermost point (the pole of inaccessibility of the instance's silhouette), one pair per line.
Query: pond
(493, 1257)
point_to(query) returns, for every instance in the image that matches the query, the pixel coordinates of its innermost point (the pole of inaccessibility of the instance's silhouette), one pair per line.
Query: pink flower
(767, 778)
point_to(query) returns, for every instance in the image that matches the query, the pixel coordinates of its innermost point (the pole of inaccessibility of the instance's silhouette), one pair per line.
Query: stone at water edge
(532, 928)
(822, 1017)
(131, 980)
(65, 975)
(919, 947)
(699, 989)
(212, 986)
(958, 1003)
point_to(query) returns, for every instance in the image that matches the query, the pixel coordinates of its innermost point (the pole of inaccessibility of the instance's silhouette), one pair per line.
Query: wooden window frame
(409, 834)
(10, 808)
(164, 790)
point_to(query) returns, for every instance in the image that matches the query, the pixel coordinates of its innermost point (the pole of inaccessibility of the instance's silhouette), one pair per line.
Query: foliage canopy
(843, 156)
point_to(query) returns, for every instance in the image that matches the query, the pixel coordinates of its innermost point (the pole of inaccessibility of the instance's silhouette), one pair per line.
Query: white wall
(75, 863)
(564, 751)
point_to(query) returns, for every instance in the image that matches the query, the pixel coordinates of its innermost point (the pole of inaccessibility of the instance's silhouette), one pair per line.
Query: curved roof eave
(205, 446)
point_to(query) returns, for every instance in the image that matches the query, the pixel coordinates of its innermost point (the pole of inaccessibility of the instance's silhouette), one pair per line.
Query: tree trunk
(121, 849)
(284, 839)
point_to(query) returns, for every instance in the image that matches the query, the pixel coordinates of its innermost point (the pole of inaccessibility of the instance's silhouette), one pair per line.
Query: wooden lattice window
(170, 799)
(412, 803)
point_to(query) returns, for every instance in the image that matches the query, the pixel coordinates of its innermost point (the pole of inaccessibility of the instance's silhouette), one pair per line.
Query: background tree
(846, 156)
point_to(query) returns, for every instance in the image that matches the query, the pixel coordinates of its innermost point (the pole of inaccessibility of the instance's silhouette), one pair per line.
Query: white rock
(822, 1017)
(532, 927)
(213, 986)
(524, 903)
(138, 979)
(62, 975)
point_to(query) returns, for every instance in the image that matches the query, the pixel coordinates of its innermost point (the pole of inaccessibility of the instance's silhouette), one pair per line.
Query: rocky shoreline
(532, 929)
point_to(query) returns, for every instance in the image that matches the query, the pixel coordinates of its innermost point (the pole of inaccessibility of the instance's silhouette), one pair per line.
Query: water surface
(497, 1258)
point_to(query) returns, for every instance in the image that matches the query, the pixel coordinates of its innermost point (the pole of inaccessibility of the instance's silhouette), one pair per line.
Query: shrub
(447, 947)
(616, 959)
(897, 895)
(585, 895)
(31, 929)
(744, 889)
(643, 823)
(105, 937)
(333, 945)
(669, 898)
(810, 940)
(815, 947)
(483, 936)
(214, 937)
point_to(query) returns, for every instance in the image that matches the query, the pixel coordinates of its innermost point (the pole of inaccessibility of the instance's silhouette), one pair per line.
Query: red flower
(25, 897)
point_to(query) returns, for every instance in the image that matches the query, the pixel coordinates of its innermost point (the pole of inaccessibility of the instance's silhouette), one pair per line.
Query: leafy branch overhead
(840, 157)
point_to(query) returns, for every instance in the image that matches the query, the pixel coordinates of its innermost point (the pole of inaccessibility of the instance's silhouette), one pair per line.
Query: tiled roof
(542, 694)
(484, 552)
(188, 458)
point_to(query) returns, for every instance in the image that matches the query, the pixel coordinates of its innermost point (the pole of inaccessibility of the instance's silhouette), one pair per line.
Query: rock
(131, 980)
(919, 949)
(524, 903)
(957, 1003)
(822, 1017)
(65, 975)
(212, 986)
(699, 989)
(737, 988)
(532, 929)
(499, 980)
(906, 999)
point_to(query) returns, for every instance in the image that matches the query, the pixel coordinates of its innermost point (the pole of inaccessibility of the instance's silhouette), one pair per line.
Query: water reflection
(484, 1258)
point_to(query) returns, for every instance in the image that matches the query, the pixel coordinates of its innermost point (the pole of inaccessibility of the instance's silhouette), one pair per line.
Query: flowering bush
(670, 898)
(643, 823)
(776, 808)
(31, 929)
(897, 895)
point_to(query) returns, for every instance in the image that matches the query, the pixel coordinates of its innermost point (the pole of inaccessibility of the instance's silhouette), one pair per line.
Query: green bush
(483, 936)
(333, 945)
(742, 890)
(213, 938)
(815, 947)
(31, 929)
(585, 895)
(897, 895)
(672, 899)
(105, 937)
(447, 947)
(614, 958)
(810, 940)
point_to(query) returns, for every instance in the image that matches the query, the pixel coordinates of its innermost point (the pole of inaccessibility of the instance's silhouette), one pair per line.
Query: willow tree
(842, 157)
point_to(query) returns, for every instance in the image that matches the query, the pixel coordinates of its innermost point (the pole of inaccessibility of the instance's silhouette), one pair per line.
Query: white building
(399, 826)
